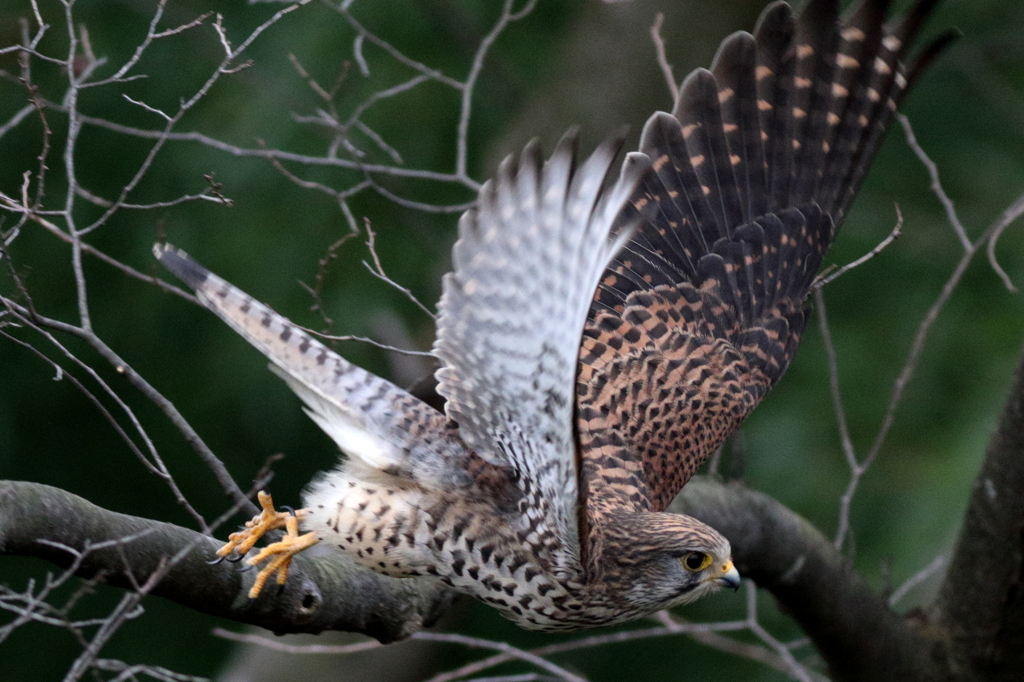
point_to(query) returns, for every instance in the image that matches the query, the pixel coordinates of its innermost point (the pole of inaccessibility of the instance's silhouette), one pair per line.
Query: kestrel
(573, 418)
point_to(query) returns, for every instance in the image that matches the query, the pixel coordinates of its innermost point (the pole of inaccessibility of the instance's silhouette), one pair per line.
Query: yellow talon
(282, 552)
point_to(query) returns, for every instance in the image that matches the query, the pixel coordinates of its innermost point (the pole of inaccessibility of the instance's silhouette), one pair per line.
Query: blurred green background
(584, 63)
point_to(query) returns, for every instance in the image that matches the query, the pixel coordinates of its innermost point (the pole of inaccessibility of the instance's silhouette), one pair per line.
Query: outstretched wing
(526, 265)
(702, 311)
(380, 425)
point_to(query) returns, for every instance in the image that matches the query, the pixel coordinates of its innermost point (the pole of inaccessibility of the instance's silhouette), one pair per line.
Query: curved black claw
(245, 567)
(235, 558)
(290, 510)
(217, 560)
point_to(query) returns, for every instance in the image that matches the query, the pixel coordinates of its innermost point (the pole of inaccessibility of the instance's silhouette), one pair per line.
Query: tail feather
(386, 431)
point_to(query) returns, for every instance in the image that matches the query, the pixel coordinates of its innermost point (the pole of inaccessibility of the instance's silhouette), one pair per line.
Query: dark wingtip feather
(735, 68)
(699, 110)
(776, 20)
(695, 94)
(181, 265)
(763, 154)
(930, 54)
(912, 22)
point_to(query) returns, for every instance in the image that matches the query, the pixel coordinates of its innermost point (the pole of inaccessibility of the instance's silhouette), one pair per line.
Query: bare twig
(926, 324)
(1009, 215)
(321, 274)
(856, 471)
(921, 336)
(823, 281)
(933, 173)
(516, 653)
(377, 270)
(934, 567)
(508, 15)
(368, 341)
(153, 462)
(659, 47)
(297, 649)
(793, 667)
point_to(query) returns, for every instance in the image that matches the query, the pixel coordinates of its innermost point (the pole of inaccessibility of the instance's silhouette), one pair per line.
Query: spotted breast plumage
(573, 418)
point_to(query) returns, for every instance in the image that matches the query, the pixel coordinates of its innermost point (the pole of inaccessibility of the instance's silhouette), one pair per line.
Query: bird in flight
(598, 339)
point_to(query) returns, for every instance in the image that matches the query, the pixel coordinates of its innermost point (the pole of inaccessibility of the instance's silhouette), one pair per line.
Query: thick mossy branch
(324, 591)
(982, 599)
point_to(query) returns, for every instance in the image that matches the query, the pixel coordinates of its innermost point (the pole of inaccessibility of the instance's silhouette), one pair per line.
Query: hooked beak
(729, 577)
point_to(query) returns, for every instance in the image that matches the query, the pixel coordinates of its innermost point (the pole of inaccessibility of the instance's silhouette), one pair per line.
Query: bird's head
(664, 560)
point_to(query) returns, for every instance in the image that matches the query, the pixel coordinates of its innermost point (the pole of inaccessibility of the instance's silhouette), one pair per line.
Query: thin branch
(793, 667)
(936, 186)
(856, 471)
(368, 341)
(377, 270)
(141, 48)
(896, 231)
(296, 649)
(217, 467)
(152, 110)
(924, 328)
(507, 649)
(305, 159)
(153, 462)
(935, 566)
(462, 136)
(590, 642)
(106, 203)
(659, 47)
(132, 672)
(1009, 215)
(926, 324)
(734, 647)
(185, 106)
(14, 120)
(419, 205)
(433, 74)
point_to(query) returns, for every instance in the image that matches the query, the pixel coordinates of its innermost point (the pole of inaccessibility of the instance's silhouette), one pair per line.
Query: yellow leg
(282, 553)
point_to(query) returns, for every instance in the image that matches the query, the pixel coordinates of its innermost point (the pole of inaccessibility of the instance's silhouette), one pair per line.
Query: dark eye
(696, 561)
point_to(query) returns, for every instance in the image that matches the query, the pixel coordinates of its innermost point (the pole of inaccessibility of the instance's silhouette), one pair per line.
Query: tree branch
(982, 599)
(324, 590)
(851, 625)
(858, 635)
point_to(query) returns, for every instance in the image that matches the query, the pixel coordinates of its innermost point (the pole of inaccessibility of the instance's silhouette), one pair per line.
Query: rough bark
(982, 598)
(323, 592)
